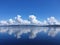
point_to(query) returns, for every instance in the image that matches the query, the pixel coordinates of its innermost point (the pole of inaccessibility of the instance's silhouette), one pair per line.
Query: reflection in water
(53, 32)
(31, 31)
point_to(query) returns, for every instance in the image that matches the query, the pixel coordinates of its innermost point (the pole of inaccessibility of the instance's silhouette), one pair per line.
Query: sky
(42, 9)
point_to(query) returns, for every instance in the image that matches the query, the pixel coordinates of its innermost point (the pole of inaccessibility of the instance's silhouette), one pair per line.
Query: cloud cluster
(34, 20)
(53, 21)
(3, 22)
(21, 21)
(31, 21)
(11, 21)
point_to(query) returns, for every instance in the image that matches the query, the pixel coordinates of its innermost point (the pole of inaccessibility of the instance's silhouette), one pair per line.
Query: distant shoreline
(31, 25)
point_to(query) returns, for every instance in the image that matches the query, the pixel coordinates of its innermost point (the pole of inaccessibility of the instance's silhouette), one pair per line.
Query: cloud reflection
(31, 31)
(53, 32)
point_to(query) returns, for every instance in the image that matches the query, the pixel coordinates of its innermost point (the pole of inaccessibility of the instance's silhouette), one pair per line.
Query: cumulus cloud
(21, 21)
(45, 22)
(3, 22)
(52, 21)
(33, 20)
(18, 18)
(11, 21)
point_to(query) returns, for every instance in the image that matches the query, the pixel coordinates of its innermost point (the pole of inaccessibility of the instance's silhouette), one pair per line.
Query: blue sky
(42, 9)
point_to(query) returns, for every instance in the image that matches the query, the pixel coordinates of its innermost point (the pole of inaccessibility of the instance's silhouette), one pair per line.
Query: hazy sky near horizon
(42, 9)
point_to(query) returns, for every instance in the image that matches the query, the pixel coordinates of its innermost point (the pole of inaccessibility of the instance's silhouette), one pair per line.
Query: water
(29, 35)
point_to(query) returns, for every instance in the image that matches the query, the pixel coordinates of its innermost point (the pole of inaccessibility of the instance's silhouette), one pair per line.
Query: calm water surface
(29, 35)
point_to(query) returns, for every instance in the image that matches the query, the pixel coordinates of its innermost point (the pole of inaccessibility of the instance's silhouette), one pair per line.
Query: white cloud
(33, 19)
(45, 23)
(18, 18)
(11, 21)
(52, 21)
(3, 22)
(21, 21)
